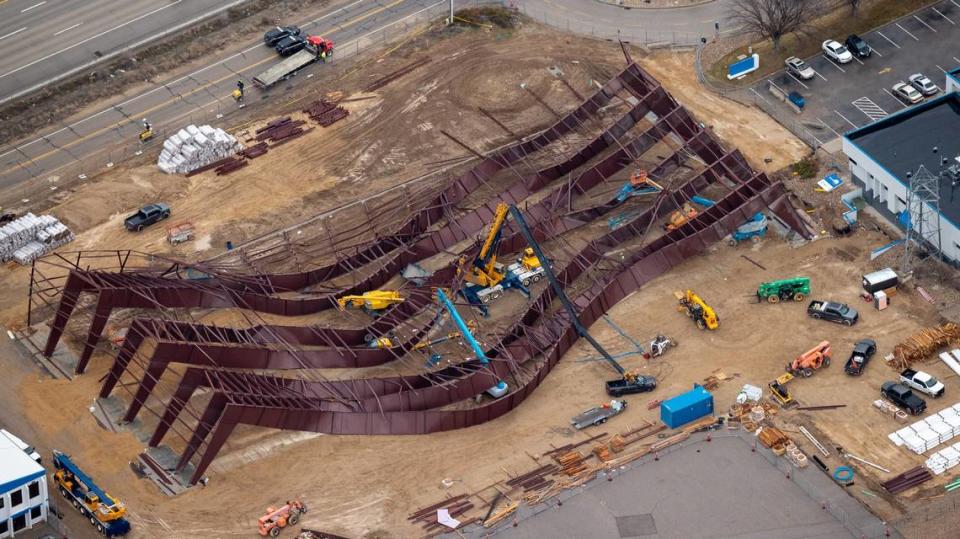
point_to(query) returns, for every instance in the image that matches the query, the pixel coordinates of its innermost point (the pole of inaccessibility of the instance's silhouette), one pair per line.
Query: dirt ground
(365, 486)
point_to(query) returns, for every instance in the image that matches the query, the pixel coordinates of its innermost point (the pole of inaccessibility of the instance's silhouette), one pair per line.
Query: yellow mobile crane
(697, 310)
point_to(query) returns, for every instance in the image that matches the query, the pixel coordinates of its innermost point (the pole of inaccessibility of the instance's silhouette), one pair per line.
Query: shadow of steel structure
(400, 235)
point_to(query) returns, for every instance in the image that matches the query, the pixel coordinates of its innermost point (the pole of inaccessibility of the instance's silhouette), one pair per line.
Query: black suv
(274, 35)
(291, 45)
(901, 395)
(858, 46)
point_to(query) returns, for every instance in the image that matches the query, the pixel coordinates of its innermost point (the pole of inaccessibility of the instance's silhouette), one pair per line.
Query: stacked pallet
(194, 147)
(29, 237)
(923, 344)
(944, 459)
(907, 480)
(617, 444)
(928, 433)
(325, 113)
(572, 463)
(887, 408)
(773, 438)
(602, 452)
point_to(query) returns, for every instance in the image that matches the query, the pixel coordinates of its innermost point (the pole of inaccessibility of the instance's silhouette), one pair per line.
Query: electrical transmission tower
(923, 216)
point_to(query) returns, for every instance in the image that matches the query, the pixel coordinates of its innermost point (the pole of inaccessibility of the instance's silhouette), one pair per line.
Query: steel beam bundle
(414, 404)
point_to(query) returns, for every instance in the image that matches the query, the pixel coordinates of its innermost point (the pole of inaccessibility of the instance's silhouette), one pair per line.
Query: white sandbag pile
(193, 147)
(29, 237)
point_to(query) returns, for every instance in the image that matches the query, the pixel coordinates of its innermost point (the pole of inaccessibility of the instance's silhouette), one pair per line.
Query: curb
(615, 3)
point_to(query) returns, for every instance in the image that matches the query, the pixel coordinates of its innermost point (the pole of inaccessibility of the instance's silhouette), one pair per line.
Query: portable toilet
(687, 407)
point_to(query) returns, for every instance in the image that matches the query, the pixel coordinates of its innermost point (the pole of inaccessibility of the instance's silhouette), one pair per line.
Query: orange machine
(681, 216)
(811, 360)
(276, 519)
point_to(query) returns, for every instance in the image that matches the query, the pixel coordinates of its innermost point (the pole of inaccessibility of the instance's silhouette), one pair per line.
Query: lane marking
(955, 3)
(176, 81)
(956, 60)
(925, 24)
(798, 80)
(869, 108)
(888, 39)
(831, 62)
(874, 50)
(33, 6)
(895, 98)
(905, 31)
(941, 69)
(944, 16)
(67, 29)
(91, 38)
(828, 127)
(845, 118)
(819, 75)
(13, 33)
(144, 113)
(858, 60)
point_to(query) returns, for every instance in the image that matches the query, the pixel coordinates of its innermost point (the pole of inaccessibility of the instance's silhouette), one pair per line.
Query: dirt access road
(366, 486)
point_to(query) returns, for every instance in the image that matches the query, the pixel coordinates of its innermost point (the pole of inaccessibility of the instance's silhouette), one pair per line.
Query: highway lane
(353, 24)
(42, 40)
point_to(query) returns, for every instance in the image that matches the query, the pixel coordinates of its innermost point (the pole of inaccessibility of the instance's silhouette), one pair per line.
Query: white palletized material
(895, 438)
(943, 430)
(27, 238)
(926, 434)
(193, 147)
(951, 361)
(944, 459)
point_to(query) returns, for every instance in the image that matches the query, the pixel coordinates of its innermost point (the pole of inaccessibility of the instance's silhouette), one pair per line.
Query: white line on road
(51, 55)
(829, 61)
(888, 39)
(819, 75)
(68, 29)
(941, 69)
(899, 102)
(955, 3)
(869, 108)
(955, 59)
(798, 81)
(828, 127)
(845, 118)
(875, 50)
(13, 33)
(858, 60)
(906, 32)
(33, 6)
(944, 16)
(925, 24)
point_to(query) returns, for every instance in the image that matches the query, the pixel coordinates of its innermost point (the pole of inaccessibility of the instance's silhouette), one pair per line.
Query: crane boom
(500, 389)
(488, 253)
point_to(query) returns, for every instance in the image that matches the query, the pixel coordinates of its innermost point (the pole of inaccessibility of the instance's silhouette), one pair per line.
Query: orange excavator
(276, 519)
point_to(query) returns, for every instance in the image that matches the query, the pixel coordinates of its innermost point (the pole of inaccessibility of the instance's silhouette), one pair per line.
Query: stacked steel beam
(907, 480)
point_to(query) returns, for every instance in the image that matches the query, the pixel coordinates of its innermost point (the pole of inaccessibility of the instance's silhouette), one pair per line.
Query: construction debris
(27, 238)
(193, 147)
(924, 344)
(907, 480)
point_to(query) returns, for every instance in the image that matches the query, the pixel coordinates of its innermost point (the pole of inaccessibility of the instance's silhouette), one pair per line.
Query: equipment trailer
(103, 511)
(316, 49)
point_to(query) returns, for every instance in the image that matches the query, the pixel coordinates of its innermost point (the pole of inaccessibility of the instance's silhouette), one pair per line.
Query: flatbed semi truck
(316, 49)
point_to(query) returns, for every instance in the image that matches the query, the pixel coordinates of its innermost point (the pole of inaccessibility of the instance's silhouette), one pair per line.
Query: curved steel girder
(662, 254)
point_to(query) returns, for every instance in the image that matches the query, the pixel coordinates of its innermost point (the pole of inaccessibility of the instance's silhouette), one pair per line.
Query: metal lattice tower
(923, 207)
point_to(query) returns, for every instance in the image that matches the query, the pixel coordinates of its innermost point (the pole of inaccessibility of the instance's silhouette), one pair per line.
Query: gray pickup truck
(598, 415)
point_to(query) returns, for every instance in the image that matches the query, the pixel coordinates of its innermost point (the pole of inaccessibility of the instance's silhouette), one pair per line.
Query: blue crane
(498, 390)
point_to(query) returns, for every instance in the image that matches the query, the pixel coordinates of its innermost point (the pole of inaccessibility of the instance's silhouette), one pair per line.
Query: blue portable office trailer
(687, 407)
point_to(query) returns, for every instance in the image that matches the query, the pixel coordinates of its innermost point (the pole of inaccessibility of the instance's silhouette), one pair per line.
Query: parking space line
(874, 50)
(869, 108)
(858, 60)
(955, 3)
(798, 81)
(944, 16)
(925, 24)
(888, 39)
(828, 127)
(902, 105)
(906, 32)
(845, 118)
(825, 78)
(955, 59)
(829, 61)
(941, 69)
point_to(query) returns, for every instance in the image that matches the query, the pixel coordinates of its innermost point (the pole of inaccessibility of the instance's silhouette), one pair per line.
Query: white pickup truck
(922, 382)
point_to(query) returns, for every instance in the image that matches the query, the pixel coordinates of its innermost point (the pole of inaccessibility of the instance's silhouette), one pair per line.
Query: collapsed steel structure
(416, 404)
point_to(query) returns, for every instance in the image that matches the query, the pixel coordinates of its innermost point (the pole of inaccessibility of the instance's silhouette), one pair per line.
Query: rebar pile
(922, 345)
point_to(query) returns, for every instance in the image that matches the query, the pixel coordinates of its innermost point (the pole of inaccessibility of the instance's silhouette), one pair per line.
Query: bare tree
(770, 19)
(854, 6)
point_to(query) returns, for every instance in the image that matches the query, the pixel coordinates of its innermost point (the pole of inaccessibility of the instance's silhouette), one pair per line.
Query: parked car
(624, 386)
(291, 45)
(274, 35)
(858, 46)
(906, 93)
(901, 395)
(836, 52)
(146, 216)
(922, 382)
(923, 84)
(799, 68)
(797, 99)
(863, 350)
(833, 312)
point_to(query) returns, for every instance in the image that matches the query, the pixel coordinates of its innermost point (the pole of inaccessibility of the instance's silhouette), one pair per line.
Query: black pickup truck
(628, 385)
(833, 312)
(146, 216)
(901, 395)
(860, 356)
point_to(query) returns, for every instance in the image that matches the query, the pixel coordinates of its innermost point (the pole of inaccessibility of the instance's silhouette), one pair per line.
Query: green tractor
(797, 289)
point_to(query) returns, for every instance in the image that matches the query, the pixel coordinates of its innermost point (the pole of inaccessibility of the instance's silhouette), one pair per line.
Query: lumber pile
(325, 112)
(572, 463)
(925, 343)
(193, 147)
(774, 439)
(907, 480)
(27, 238)
(618, 444)
(602, 451)
(501, 514)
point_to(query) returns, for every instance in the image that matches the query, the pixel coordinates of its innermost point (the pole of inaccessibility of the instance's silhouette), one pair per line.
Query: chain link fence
(119, 140)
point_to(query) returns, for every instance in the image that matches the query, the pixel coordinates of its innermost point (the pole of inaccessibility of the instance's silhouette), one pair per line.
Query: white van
(28, 449)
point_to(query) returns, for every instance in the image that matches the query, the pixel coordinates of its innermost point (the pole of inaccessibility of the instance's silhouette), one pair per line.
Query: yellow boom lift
(371, 302)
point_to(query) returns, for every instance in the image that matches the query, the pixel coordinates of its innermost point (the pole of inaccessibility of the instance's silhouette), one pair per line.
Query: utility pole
(450, 20)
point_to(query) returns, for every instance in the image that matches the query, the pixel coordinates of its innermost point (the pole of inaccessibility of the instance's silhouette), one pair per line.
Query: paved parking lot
(843, 97)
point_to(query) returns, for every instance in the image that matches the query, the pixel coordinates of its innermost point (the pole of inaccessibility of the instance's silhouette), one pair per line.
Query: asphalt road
(42, 40)
(352, 24)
